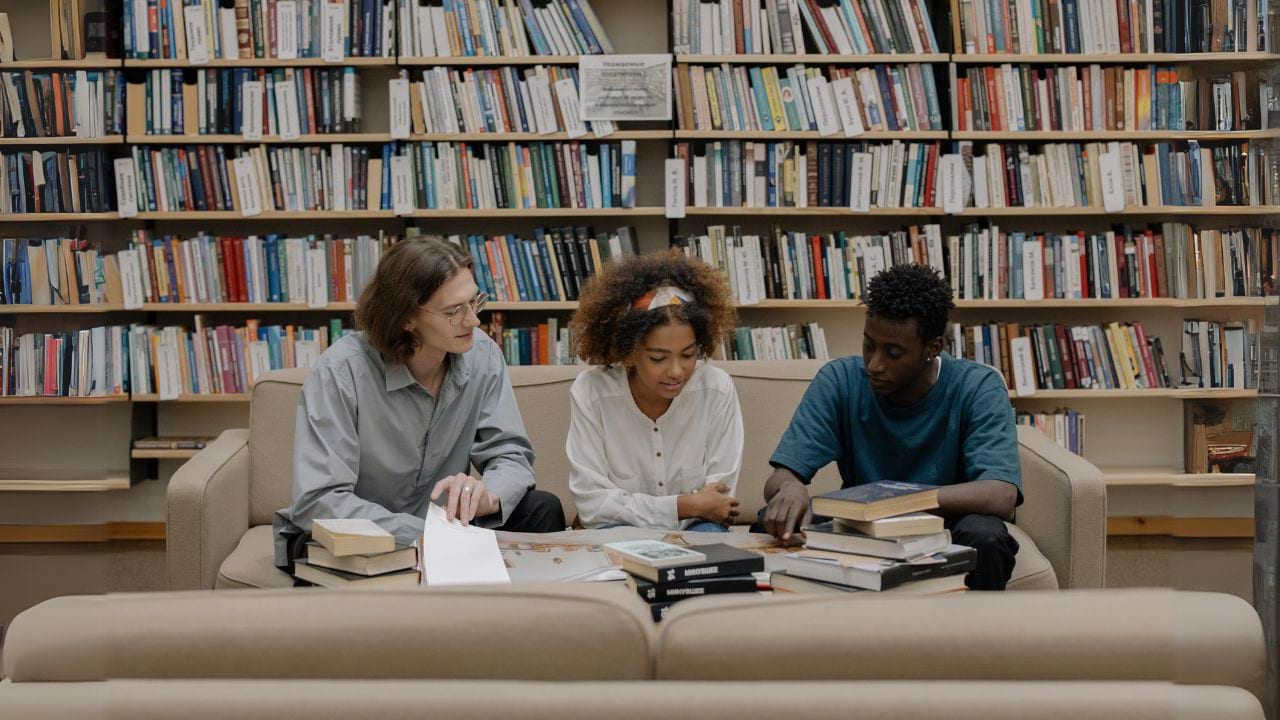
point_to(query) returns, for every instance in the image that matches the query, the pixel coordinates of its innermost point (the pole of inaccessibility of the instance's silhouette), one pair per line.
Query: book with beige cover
(355, 536)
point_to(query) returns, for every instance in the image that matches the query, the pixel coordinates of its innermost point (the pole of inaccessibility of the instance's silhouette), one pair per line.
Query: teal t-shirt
(962, 430)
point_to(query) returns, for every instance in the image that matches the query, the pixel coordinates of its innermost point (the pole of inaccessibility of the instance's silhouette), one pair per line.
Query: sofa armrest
(208, 511)
(1064, 510)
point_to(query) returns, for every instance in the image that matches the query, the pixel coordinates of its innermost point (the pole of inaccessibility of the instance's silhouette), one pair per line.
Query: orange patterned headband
(661, 297)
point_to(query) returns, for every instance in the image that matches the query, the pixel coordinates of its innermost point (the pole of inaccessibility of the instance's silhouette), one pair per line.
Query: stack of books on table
(878, 538)
(664, 574)
(356, 553)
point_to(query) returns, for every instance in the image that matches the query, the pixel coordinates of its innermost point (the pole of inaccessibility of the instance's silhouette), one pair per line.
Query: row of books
(56, 271)
(1127, 26)
(1091, 97)
(284, 102)
(250, 179)
(539, 99)
(810, 174)
(794, 265)
(1114, 356)
(547, 343)
(171, 361)
(1220, 354)
(883, 97)
(1188, 174)
(553, 266)
(85, 103)
(573, 174)
(80, 363)
(663, 573)
(797, 341)
(201, 30)
(1063, 426)
(487, 28)
(54, 181)
(1167, 260)
(846, 27)
(357, 553)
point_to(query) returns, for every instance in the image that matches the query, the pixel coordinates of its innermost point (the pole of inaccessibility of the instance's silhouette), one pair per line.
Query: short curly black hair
(903, 292)
(607, 330)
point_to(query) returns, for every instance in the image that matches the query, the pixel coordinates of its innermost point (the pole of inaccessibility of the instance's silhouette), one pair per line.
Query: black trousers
(985, 533)
(537, 512)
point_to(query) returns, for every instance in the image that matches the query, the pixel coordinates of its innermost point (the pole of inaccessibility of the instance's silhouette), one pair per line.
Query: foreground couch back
(575, 650)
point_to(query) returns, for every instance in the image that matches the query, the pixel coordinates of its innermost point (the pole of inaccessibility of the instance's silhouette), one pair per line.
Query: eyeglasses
(455, 314)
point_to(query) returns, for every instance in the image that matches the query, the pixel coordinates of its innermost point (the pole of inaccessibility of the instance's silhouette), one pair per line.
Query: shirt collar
(399, 377)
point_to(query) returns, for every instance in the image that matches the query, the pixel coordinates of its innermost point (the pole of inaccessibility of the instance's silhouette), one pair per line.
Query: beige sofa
(589, 650)
(220, 503)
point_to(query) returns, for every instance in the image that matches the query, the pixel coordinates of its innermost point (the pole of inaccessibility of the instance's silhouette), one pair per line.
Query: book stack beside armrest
(664, 574)
(356, 553)
(879, 539)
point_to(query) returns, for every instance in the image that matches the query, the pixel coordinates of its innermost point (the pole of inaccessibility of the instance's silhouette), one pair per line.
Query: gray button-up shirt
(370, 442)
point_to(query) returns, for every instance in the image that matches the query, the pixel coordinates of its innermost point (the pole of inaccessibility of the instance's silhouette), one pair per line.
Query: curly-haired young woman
(655, 434)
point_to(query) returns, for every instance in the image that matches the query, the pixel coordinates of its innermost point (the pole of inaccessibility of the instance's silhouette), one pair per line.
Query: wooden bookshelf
(246, 307)
(479, 60)
(204, 398)
(59, 309)
(818, 58)
(1113, 58)
(1109, 135)
(317, 138)
(363, 62)
(156, 454)
(819, 211)
(1172, 210)
(56, 400)
(1183, 527)
(536, 137)
(1155, 393)
(908, 135)
(71, 140)
(86, 485)
(1170, 477)
(58, 217)
(80, 533)
(542, 213)
(63, 65)
(270, 215)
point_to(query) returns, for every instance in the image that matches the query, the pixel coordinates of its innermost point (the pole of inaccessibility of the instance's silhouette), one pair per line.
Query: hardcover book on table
(873, 573)
(876, 500)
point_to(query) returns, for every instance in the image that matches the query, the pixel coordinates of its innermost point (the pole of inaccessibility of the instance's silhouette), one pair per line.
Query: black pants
(985, 533)
(537, 512)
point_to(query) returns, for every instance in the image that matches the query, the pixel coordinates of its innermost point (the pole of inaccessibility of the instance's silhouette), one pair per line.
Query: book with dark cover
(660, 610)
(875, 500)
(653, 592)
(878, 573)
(722, 560)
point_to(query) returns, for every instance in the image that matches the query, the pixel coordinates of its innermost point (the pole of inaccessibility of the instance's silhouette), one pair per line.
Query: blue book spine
(584, 27)
(24, 274)
(1071, 21)
(772, 183)
(522, 283)
(531, 270)
(607, 152)
(273, 269)
(385, 200)
(762, 100)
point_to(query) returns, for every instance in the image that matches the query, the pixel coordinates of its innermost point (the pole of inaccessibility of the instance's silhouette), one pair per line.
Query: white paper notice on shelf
(287, 29)
(980, 198)
(675, 187)
(197, 35)
(860, 182)
(338, 176)
(873, 259)
(130, 278)
(625, 87)
(287, 113)
(251, 117)
(457, 554)
(317, 280)
(953, 194)
(332, 32)
(567, 95)
(259, 359)
(401, 115)
(1032, 270)
(402, 184)
(1112, 181)
(126, 188)
(544, 109)
(847, 107)
(824, 106)
(167, 370)
(247, 185)
(1024, 383)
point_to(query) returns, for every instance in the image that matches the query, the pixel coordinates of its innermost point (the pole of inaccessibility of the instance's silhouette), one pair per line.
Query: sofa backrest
(558, 631)
(273, 412)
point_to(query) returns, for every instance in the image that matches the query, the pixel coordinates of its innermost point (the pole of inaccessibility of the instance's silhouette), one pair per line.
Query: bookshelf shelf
(270, 215)
(245, 307)
(58, 217)
(1247, 210)
(88, 485)
(42, 141)
(542, 212)
(152, 64)
(488, 60)
(808, 135)
(209, 398)
(1104, 135)
(1161, 477)
(67, 532)
(54, 64)
(59, 309)
(830, 211)
(266, 139)
(1113, 58)
(54, 400)
(139, 454)
(1173, 393)
(780, 59)
(535, 137)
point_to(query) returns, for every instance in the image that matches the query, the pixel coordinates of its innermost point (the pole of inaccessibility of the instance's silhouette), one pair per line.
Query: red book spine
(1122, 267)
(1157, 380)
(1065, 348)
(820, 279)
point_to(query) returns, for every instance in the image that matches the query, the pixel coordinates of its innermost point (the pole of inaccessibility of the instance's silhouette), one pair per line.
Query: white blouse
(627, 469)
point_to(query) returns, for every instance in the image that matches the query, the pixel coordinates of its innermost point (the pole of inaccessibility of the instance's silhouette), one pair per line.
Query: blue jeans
(706, 526)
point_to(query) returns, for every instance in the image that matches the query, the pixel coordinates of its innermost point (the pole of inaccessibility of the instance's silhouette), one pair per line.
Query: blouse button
(659, 454)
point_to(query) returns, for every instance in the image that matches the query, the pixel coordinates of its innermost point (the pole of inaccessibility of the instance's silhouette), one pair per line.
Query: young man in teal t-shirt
(905, 410)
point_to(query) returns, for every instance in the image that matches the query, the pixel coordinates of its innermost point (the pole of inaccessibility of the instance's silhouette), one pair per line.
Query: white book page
(457, 554)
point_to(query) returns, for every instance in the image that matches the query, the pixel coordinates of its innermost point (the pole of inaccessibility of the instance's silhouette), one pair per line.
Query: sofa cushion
(273, 412)
(557, 631)
(1031, 569)
(1184, 637)
(252, 564)
(459, 700)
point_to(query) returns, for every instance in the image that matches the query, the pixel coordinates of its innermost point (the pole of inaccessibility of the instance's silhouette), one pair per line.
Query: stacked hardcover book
(356, 553)
(664, 574)
(877, 537)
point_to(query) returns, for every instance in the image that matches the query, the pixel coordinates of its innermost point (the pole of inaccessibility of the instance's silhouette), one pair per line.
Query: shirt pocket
(690, 479)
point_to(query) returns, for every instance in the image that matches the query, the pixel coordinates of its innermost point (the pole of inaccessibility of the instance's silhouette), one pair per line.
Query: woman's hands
(712, 503)
(468, 498)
